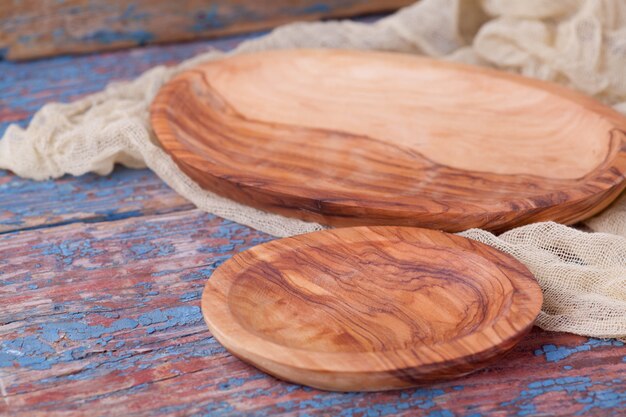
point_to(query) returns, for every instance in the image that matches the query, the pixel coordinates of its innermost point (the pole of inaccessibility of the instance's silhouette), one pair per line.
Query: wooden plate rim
(523, 282)
(609, 177)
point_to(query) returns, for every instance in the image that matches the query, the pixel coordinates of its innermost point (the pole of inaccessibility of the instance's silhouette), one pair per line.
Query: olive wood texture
(358, 138)
(371, 307)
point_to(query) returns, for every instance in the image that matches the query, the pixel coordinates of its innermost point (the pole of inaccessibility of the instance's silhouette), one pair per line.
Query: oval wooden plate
(357, 138)
(370, 308)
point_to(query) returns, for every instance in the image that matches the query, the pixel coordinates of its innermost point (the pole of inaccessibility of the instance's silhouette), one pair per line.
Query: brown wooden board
(356, 138)
(371, 308)
(36, 28)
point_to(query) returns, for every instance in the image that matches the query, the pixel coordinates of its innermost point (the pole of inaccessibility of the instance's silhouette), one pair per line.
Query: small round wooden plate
(370, 308)
(365, 138)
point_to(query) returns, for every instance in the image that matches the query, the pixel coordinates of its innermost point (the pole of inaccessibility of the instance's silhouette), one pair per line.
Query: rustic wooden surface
(36, 28)
(371, 308)
(100, 300)
(360, 138)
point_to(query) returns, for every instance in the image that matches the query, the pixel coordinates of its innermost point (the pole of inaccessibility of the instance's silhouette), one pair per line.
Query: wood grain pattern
(36, 28)
(370, 308)
(356, 138)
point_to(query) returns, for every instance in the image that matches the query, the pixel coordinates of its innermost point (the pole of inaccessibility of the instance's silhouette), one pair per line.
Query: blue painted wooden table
(100, 283)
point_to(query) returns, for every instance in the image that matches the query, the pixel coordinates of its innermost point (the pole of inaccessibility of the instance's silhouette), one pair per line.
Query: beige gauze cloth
(578, 43)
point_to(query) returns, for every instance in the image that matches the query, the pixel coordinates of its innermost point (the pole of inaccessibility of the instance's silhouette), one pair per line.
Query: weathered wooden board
(104, 319)
(349, 138)
(26, 204)
(371, 308)
(36, 28)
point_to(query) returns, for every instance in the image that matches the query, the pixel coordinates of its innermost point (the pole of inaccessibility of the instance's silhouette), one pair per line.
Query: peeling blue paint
(238, 382)
(208, 19)
(104, 340)
(441, 413)
(149, 250)
(171, 317)
(76, 330)
(219, 409)
(190, 296)
(170, 410)
(141, 249)
(165, 272)
(204, 273)
(26, 351)
(423, 399)
(106, 37)
(604, 400)
(70, 250)
(39, 352)
(144, 285)
(155, 316)
(579, 388)
(319, 8)
(557, 353)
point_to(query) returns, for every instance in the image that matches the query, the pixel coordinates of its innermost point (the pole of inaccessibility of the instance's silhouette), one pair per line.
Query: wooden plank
(36, 28)
(26, 204)
(104, 319)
